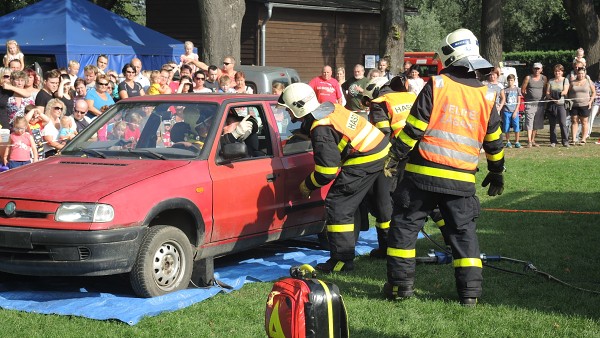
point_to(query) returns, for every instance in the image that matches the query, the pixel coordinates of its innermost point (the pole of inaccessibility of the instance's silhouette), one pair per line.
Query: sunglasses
(6, 76)
(226, 63)
(103, 83)
(580, 68)
(200, 78)
(57, 108)
(79, 111)
(130, 72)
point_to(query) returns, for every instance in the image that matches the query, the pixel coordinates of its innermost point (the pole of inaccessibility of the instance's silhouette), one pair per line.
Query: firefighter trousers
(379, 200)
(411, 208)
(344, 197)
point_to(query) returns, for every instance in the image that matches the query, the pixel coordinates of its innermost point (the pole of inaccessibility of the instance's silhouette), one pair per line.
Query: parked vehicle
(261, 79)
(152, 203)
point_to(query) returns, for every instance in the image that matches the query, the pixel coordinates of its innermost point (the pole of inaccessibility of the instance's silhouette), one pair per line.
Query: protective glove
(304, 191)
(496, 182)
(390, 166)
(243, 129)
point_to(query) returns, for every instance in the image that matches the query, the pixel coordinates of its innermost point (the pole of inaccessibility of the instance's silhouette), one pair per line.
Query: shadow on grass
(564, 245)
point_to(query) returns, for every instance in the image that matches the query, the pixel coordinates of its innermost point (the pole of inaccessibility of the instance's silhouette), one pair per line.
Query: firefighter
(390, 104)
(342, 140)
(453, 117)
(387, 107)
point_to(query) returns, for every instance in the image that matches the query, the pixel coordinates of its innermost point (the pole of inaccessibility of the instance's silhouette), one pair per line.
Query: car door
(248, 192)
(298, 163)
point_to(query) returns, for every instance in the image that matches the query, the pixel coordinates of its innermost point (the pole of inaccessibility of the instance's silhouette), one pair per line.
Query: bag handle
(302, 271)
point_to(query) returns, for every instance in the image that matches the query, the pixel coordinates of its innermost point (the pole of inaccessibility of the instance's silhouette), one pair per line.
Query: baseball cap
(537, 65)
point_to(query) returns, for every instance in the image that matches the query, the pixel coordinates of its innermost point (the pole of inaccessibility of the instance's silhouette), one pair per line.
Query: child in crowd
(277, 88)
(66, 131)
(510, 111)
(189, 56)
(36, 122)
(132, 133)
(579, 57)
(185, 85)
(118, 131)
(13, 52)
(154, 83)
(73, 70)
(21, 148)
(225, 85)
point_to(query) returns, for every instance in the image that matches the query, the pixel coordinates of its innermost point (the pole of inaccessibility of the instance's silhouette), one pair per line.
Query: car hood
(74, 179)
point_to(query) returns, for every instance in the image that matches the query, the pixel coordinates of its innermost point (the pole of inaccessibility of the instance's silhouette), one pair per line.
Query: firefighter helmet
(300, 98)
(461, 48)
(373, 87)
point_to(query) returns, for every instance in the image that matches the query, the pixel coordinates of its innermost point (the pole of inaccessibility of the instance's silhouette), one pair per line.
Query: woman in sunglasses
(199, 78)
(130, 88)
(55, 109)
(98, 98)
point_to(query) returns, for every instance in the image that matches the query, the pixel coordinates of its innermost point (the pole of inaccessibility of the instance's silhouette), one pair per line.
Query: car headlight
(85, 213)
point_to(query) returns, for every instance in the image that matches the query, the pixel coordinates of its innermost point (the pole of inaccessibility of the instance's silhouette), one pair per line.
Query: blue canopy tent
(79, 30)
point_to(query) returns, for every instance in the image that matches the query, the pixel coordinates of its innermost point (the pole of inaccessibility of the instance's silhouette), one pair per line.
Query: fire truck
(427, 62)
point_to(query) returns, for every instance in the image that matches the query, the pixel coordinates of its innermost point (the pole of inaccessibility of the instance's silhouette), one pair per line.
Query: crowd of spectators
(43, 103)
(60, 105)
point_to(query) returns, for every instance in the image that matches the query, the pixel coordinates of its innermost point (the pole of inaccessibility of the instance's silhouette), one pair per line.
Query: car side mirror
(234, 151)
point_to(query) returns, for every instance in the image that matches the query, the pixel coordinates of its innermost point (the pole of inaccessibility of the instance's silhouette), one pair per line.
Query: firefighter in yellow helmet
(453, 117)
(342, 142)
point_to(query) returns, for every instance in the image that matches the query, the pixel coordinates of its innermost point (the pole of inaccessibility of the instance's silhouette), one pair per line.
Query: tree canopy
(528, 25)
(134, 10)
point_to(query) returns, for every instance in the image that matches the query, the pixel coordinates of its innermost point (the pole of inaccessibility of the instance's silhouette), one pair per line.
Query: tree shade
(79, 30)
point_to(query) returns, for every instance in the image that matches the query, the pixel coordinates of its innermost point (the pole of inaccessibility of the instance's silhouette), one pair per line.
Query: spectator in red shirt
(326, 87)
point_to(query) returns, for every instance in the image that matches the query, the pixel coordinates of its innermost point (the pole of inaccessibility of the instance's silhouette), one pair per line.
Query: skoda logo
(10, 209)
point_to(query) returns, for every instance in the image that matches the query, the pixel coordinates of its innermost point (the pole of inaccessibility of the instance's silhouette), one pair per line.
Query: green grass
(564, 245)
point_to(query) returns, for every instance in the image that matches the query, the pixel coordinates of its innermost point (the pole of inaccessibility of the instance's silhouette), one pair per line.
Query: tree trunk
(587, 25)
(221, 28)
(491, 31)
(392, 31)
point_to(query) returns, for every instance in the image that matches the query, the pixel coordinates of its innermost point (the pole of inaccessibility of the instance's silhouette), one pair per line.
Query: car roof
(196, 97)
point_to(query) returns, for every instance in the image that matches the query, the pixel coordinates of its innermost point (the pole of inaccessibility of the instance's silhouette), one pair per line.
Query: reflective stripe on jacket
(337, 140)
(356, 131)
(456, 127)
(398, 106)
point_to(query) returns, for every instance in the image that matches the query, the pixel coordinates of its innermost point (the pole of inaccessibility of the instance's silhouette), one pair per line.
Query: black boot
(335, 266)
(398, 292)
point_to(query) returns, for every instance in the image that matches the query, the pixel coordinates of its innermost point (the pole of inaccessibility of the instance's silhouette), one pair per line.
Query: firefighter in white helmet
(345, 142)
(452, 118)
(389, 105)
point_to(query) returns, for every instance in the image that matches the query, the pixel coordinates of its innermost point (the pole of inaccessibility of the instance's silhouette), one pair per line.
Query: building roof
(364, 6)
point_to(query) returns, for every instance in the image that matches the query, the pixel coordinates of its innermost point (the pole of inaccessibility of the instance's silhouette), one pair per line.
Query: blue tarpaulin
(81, 31)
(111, 297)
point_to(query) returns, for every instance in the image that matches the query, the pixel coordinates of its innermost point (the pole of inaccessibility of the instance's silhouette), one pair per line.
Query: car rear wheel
(164, 262)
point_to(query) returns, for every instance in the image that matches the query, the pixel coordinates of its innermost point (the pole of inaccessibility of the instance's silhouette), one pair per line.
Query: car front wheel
(164, 262)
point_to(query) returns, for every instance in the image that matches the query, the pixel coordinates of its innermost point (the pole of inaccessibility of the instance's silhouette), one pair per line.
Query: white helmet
(373, 87)
(461, 48)
(300, 98)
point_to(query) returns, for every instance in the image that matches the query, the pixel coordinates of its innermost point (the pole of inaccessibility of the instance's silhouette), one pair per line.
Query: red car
(149, 188)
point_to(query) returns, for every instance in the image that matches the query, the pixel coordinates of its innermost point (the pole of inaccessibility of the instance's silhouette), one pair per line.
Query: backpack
(299, 307)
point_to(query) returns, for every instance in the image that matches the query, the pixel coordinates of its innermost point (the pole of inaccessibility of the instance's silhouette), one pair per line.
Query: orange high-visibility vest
(356, 130)
(398, 106)
(458, 123)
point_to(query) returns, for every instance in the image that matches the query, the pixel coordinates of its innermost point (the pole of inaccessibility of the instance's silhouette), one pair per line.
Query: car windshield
(149, 130)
